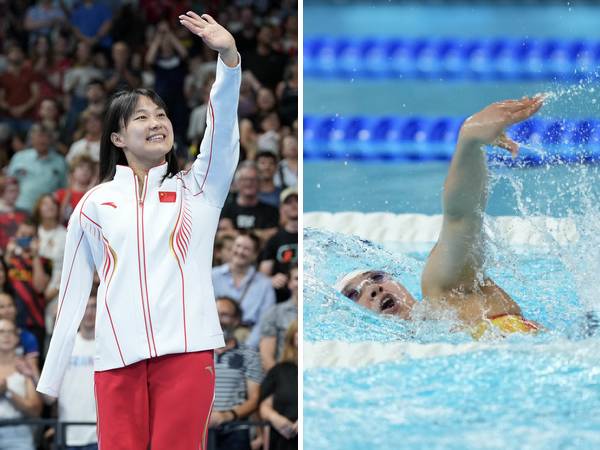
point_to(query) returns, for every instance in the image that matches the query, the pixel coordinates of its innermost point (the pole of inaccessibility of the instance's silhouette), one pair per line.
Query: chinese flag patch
(167, 197)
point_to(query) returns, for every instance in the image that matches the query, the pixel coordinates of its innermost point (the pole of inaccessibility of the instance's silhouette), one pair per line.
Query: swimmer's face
(377, 291)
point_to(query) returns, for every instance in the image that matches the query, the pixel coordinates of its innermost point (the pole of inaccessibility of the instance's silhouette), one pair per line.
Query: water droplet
(318, 185)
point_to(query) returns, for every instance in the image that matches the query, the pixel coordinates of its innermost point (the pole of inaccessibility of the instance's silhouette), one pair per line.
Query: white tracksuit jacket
(153, 252)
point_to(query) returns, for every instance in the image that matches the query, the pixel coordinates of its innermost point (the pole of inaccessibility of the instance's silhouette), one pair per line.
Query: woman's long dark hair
(118, 112)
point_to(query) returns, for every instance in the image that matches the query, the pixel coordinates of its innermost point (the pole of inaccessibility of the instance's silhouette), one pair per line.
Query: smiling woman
(148, 231)
(137, 133)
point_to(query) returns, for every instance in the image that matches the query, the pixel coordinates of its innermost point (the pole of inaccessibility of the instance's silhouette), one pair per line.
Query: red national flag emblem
(167, 197)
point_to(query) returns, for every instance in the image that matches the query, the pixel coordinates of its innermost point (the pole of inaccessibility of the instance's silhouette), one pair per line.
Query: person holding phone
(28, 275)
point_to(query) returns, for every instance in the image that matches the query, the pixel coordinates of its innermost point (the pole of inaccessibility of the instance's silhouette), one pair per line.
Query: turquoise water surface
(520, 392)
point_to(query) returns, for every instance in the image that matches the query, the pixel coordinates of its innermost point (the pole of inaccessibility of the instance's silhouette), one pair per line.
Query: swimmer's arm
(457, 257)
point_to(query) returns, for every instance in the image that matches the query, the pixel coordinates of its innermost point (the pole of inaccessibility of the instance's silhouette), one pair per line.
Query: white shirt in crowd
(76, 401)
(84, 147)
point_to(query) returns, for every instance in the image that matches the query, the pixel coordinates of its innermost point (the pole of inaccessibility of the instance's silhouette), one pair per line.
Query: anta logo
(109, 204)
(167, 196)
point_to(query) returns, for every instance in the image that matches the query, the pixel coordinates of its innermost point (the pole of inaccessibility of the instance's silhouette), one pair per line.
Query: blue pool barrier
(450, 58)
(433, 139)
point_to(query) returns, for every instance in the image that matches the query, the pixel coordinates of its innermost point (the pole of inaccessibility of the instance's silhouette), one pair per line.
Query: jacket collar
(155, 175)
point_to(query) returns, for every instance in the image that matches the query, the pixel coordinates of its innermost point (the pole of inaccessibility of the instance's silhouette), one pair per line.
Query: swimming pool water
(416, 188)
(525, 392)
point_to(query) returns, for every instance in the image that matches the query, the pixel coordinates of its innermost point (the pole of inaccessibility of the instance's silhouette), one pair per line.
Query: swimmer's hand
(488, 125)
(214, 35)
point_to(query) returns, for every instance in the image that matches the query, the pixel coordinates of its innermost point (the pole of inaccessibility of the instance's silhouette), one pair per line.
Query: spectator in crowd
(281, 251)
(41, 62)
(17, 392)
(10, 215)
(246, 37)
(76, 402)
(50, 117)
(240, 280)
(287, 171)
(128, 26)
(28, 275)
(279, 395)
(275, 323)
(247, 212)
(223, 248)
(76, 81)
(266, 164)
(51, 238)
(39, 169)
(265, 63)
(265, 101)
(289, 40)
(42, 18)
(287, 95)
(237, 380)
(28, 347)
(95, 95)
(83, 176)
(122, 76)
(167, 56)
(19, 91)
(61, 61)
(89, 144)
(91, 21)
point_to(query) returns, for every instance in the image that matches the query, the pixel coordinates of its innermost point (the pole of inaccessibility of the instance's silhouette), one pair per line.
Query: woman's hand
(487, 126)
(23, 367)
(214, 35)
(283, 426)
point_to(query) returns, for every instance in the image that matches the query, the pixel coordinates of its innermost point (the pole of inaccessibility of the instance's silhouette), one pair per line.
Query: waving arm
(219, 151)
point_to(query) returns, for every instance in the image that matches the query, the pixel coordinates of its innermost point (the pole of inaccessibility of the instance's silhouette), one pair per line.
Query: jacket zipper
(143, 191)
(141, 249)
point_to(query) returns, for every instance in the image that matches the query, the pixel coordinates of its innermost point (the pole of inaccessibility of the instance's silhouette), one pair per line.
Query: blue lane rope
(450, 58)
(430, 139)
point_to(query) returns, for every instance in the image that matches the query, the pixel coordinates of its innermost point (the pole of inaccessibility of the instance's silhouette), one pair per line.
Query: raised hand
(214, 35)
(488, 125)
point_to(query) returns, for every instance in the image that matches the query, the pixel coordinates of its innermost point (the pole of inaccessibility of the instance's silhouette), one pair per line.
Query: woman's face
(11, 193)
(289, 148)
(59, 46)
(93, 125)
(265, 99)
(42, 45)
(83, 51)
(48, 208)
(83, 173)
(148, 136)
(48, 110)
(7, 308)
(8, 336)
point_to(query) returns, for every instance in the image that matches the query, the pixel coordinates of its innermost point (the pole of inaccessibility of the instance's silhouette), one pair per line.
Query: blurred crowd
(60, 63)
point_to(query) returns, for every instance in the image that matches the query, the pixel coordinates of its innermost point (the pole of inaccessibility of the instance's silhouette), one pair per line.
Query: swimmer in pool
(453, 278)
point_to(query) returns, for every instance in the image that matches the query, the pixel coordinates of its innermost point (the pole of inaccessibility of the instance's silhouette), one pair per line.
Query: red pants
(163, 402)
